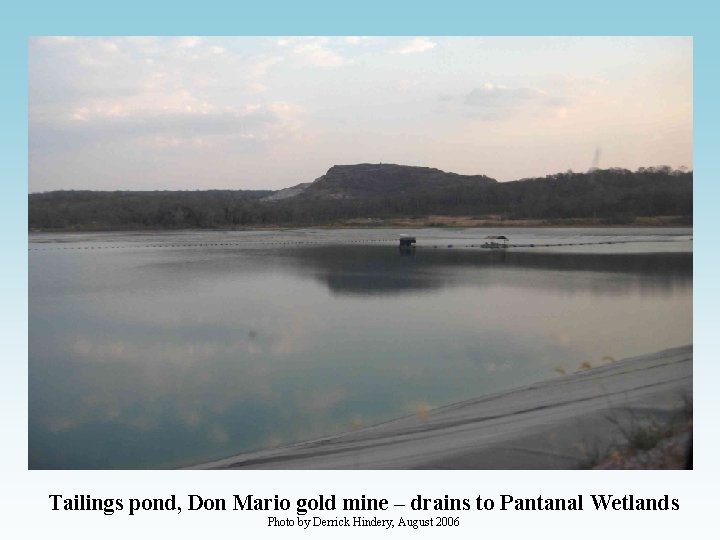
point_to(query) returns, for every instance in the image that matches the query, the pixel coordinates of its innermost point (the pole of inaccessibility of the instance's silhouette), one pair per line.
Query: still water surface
(162, 350)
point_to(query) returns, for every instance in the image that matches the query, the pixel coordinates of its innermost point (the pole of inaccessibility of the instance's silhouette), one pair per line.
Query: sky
(186, 113)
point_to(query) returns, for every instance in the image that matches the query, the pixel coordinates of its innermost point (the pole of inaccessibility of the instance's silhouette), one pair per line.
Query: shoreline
(562, 423)
(424, 222)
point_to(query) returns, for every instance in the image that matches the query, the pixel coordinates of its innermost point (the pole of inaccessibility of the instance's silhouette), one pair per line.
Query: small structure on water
(407, 242)
(497, 242)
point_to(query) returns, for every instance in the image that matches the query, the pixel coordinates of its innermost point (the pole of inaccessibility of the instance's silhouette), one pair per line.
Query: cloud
(416, 45)
(356, 40)
(318, 55)
(137, 92)
(57, 40)
(494, 95)
(262, 65)
(318, 51)
(256, 70)
(189, 42)
(498, 102)
(407, 84)
(193, 126)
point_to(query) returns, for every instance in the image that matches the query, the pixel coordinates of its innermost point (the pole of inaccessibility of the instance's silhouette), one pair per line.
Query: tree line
(607, 195)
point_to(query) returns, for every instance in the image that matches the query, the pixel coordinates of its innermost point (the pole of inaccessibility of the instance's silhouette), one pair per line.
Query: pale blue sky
(270, 112)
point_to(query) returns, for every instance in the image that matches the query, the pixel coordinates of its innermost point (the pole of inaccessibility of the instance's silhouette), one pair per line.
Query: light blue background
(23, 498)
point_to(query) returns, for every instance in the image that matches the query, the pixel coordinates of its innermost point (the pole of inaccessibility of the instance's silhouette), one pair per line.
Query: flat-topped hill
(372, 180)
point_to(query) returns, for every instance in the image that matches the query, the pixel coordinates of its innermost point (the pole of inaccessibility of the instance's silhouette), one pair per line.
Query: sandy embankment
(558, 424)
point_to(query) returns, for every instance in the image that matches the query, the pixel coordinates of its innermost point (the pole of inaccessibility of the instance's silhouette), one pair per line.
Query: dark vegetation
(142, 209)
(611, 196)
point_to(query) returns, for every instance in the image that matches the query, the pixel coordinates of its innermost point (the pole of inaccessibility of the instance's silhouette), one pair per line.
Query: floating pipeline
(333, 243)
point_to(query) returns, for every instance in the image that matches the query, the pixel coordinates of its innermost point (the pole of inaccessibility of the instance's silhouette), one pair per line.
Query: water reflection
(383, 270)
(159, 358)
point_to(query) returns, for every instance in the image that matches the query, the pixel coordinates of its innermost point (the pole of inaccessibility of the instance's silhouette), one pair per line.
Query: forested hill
(368, 180)
(378, 191)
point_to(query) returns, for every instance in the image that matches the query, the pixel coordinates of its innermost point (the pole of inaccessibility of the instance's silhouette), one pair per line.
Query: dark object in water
(495, 245)
(406, 242)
